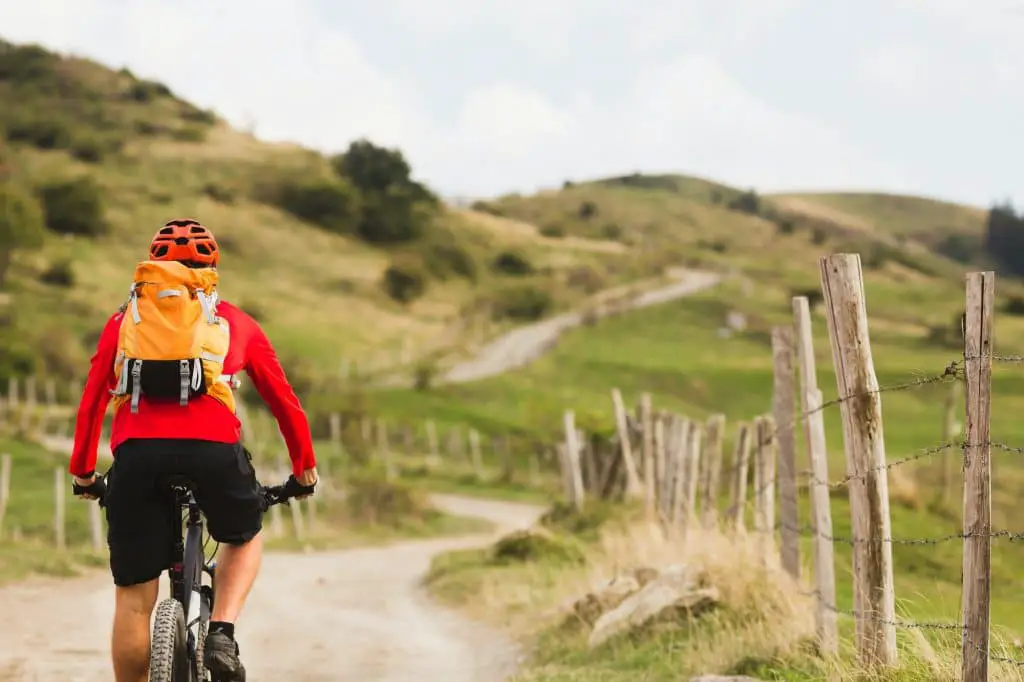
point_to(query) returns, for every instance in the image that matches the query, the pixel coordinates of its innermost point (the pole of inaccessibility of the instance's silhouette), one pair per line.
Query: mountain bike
(181, 621)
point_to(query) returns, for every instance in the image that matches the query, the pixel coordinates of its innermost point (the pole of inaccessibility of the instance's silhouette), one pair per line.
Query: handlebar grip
(97, 488)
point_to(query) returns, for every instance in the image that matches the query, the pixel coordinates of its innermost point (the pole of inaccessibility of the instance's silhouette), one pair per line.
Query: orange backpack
(171, 343)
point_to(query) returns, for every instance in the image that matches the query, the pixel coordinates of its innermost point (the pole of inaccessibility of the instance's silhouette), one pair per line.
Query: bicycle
(176, 650)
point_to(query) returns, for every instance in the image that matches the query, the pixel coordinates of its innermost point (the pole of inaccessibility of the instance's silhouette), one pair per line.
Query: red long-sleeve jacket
(204, 418)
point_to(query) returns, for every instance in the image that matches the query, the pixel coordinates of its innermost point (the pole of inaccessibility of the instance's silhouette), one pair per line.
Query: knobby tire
(168, 658)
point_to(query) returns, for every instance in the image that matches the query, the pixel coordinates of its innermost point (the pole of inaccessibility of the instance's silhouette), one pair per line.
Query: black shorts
(141, 509)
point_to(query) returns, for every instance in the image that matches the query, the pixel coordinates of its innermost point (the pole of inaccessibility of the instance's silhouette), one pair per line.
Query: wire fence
(754, 482)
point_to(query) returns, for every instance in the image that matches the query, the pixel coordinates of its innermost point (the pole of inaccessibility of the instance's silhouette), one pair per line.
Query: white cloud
(302, 77)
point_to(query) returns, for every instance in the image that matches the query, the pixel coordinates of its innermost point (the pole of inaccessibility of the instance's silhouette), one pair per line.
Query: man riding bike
(198, 437)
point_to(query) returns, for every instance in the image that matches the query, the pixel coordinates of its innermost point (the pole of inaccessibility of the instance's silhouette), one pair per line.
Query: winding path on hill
(523, 345)
(338, 616)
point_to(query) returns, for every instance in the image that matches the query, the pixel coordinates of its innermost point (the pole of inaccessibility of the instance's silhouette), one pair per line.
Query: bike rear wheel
(168, 660)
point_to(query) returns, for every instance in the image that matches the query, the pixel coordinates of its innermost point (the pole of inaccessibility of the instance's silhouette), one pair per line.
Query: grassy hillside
(290, 224)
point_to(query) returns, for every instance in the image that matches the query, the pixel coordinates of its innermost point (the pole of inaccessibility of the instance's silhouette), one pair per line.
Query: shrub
(486, 207)
(219, 193)
(21, 225)
(785, 226)
(587, 210)
(332, 204)
(190, 133)
(404, 282)
(59, 274)
(149, 128)
(526, 303)
(527, 546)
(449, 258)
(611, 231)
(553, 230)
(818, 236)
(74, 207)
(1014, 305)
(746, 202)
(87, 150)
(147, 91)
(512, 263)
(197, 115)
(392, 217)
(42, 133)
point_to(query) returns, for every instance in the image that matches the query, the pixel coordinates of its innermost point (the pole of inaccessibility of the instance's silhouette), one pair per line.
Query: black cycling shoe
(220, 657)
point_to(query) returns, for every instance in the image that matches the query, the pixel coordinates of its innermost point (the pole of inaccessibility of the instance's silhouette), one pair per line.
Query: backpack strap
(136, 384)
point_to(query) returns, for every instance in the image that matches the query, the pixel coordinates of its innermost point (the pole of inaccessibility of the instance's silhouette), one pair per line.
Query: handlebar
(269, 495)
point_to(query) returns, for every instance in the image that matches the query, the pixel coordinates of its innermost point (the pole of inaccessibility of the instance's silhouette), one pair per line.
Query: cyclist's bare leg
(237, 566)
(133, 607)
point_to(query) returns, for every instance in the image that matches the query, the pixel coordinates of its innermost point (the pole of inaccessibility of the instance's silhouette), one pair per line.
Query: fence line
(867, 466)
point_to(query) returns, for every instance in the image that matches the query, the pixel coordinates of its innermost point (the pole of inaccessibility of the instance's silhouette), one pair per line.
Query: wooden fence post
(692, 476)
(647, 449)
(861, 406)
(633, 487)
(711, 468)
(574, 478)
(741, 465)
(474, 454)
(59, 479)
(660, 463)
(977, 567)
(783, 404)
(817, 454)
(435, 456)
(764, 486)
(5, 488)
(681, 463)
(96, 527)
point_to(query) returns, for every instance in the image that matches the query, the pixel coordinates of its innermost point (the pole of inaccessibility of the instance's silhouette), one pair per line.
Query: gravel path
(341, 616)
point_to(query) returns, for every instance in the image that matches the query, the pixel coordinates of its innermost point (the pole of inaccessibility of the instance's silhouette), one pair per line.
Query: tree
(21, 224)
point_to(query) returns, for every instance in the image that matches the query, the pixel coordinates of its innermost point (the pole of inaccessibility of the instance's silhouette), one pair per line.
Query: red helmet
(187, 241)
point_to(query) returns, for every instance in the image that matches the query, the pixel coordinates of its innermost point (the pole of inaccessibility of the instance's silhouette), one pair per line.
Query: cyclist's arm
(95, 398)
(267, 375)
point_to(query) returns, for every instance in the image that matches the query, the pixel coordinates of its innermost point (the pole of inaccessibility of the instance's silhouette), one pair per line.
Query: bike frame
(186, 572)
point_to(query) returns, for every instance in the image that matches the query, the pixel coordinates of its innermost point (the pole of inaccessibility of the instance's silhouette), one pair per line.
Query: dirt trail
(333, 616)
(525, 344)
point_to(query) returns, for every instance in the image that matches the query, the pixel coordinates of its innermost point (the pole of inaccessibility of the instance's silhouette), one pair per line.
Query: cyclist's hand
(85, 483)
(307, 478)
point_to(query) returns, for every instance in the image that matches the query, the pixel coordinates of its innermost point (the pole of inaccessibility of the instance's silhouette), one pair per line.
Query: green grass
(373, 513)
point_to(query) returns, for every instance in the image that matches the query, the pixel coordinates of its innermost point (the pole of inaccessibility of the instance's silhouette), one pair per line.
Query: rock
(671, 594)
(595, 604)
(724, 678)
(645, 574)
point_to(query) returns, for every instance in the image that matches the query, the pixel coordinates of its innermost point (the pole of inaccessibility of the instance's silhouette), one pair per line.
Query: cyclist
(199, 439)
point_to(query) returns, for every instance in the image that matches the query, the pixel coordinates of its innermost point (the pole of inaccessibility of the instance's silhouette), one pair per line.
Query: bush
(747, 202)
(21, 225)
(553, 230)
(59, 274)
(525, 303)
(191, 133)
(42, 133)
(332, 204)
(512, 263)
(527, 546)
(404, 282)
(587, 210)
(611, 231)
(1014, 305)
(74, 207)
(147, 91)
(197, 115)
(219, 193)
(449, 258)
(88, 150)
(392, 217)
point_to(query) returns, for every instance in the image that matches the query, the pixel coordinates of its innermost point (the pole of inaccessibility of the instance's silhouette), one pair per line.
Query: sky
(486, 97)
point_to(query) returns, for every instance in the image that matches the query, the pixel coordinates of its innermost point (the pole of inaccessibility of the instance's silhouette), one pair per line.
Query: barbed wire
(907, 624)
